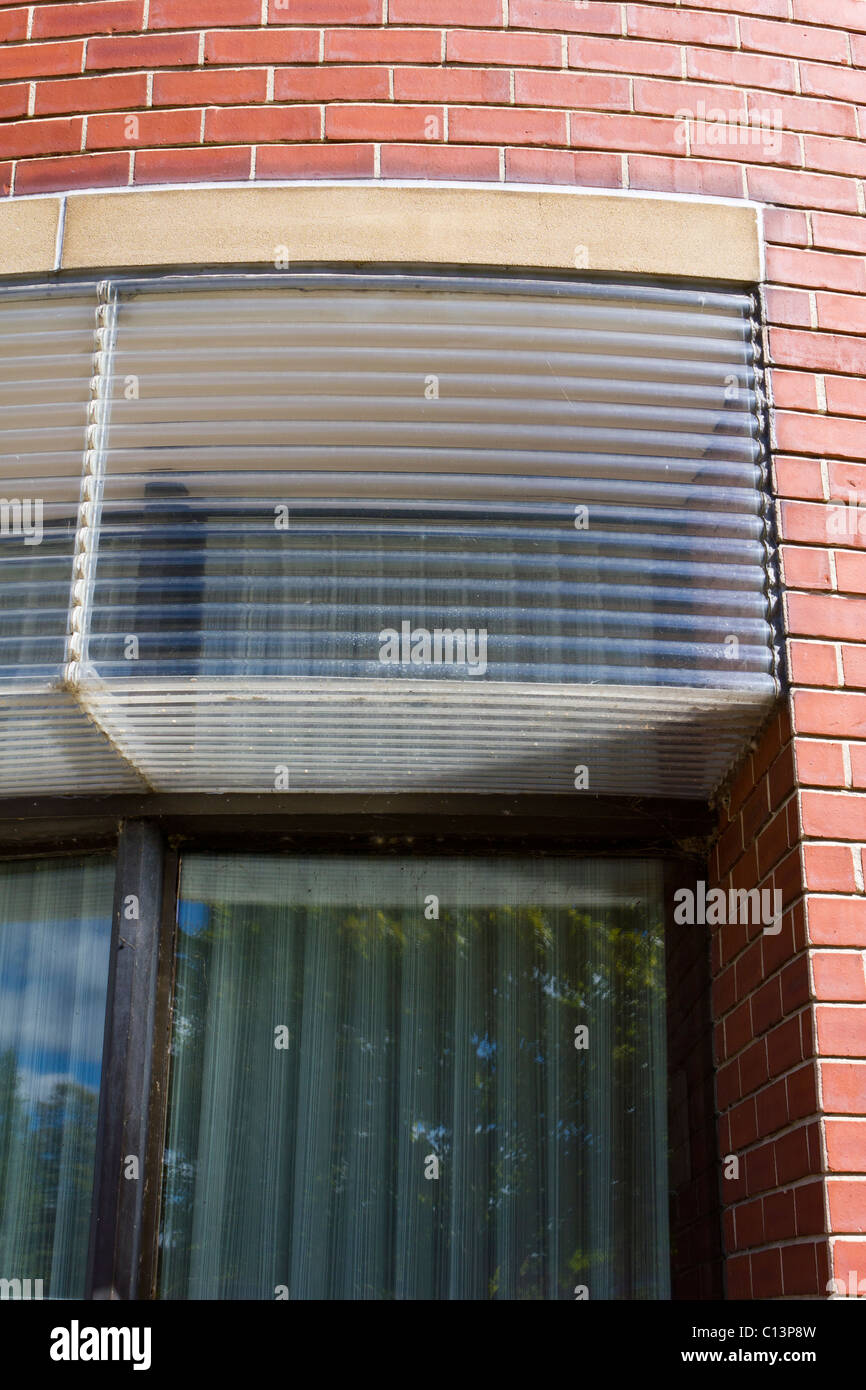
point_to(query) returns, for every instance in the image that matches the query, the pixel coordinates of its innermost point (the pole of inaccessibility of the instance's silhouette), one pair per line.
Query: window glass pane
(377, 1090)
(55, 928)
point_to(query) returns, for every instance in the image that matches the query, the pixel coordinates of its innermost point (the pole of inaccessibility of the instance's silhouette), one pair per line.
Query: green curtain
(55, 928)
(373, 1101)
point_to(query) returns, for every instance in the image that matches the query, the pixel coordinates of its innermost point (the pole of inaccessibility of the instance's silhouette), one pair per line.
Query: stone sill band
(452, 225)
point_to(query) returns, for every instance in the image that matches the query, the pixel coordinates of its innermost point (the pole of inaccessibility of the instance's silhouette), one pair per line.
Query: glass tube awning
(371, 532)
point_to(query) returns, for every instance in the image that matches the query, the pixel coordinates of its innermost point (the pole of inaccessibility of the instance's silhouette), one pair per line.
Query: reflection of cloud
(36, 1086)
(53, 979)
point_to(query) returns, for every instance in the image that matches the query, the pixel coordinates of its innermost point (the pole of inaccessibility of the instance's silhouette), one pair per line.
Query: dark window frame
(150, 833)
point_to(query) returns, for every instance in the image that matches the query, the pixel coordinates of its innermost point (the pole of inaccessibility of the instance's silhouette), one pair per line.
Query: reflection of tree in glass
(46, 1181)
(531, 1133)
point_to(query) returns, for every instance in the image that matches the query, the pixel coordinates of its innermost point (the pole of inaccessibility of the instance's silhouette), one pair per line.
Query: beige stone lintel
(540, 228)
(28, 235)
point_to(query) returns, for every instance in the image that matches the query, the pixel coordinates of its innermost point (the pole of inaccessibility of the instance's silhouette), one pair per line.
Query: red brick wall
(557, 92)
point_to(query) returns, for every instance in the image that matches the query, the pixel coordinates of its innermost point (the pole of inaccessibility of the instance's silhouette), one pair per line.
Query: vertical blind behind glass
(299, 1170)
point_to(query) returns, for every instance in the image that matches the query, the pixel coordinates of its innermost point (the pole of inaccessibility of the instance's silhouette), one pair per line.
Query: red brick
(103, 17)
(829, 615)
(766, 1274)
(756, 811)
(192, 14)
(772, 1108)
(563, 16)
(837, 921)
(854, 669)
(773, 843)
(331, 84)
(829, 868)
(796, 40)
(795, 984)
(397, 123)
(819, 763)
(834, 816)
(262, 124)
(839, 976)
(780, 1222)
(839, 233)
(802, 1092)
(788, 307)
(484, 12)
(440, 162)
(766, 1005)
(792, 1155)
(743, 1124)
(728, 1085)
(749, 1219)
(738, 1029)
(841, 1027)
(847, 480)
(625, 55)
(806, 568)
(797, 477)
(234, 47)
(815, 269)
(233, 86)
(42, 59)
(847, 1199)
(13, 25)
(578, 90)
(581, 168)
(829, 80)
(22, 138)
(117, 132)
(851, 576)
(188, 166)
(809, 1206)
(809, 114)
(847, 13)
(314, 161)
(75, 171)
(783, 225)
(822, 351)
(646, 134)
(843, 1087)
(782, 784)
(760, 1169)
(836, 523)
(802, 190)
(834, 156)
(842, 313)
(13, 100)
(845, 396)
(324, 12)
(783, 1046)
(677, 175)
(660, 98)
(849, 1265)
(739, 1272)
(381, 46)
(681, 26)
(512, 50)
(451, 84)
(740, 69)
(800, 1272)
(503, 125)
(147, 51)
(793, 389)
(80, 94)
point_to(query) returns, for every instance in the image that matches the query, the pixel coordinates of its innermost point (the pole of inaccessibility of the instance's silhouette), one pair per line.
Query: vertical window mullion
(119, 1180)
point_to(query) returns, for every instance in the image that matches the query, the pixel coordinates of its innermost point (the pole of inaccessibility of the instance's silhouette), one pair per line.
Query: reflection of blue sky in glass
(53, 976)
(192, 917)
